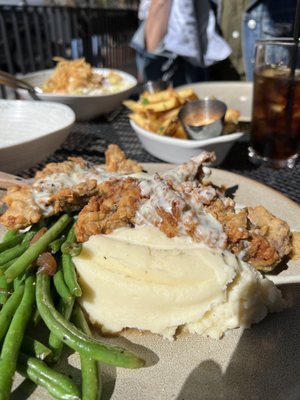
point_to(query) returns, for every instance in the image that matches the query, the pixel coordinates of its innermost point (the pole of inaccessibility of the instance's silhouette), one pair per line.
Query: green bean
(91, 385)
(14, 338)
(22, 263)
(10, 234)
(73, 337)
(71, 237)
(18, 280)
(73, 249)
(60, 285)
(70, 275)
(59, 386)
(55, 246)
(8, 310)
(8, 244)
(12, 253)
(36, 317)
(6, 265)
(29, 235)
(36, 349)
(5, 286)
(68, 267)
(65, 309)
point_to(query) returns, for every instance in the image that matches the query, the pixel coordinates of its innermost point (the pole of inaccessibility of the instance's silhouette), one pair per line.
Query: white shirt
(183, 34)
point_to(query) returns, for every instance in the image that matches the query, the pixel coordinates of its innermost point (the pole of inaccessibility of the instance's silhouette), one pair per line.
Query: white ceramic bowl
(30, 131)
(85, 106)
(234, 94)
(174, 150)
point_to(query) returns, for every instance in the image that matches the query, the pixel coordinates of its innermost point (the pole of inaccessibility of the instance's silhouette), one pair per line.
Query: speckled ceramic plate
(259, 363)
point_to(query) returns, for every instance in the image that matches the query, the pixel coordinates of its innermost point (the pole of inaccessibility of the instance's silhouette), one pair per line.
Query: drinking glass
(275, 128)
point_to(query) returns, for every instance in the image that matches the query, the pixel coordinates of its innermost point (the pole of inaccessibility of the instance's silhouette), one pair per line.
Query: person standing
(177, 40)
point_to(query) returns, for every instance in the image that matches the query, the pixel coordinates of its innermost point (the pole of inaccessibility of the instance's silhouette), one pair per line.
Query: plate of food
(89, 91)
(171, 272)
(154, 117)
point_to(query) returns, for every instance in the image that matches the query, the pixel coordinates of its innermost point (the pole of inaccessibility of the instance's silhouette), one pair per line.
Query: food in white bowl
(31, 131)
(77, 77)
(90, 92)
(173, 150)
(159, 112)
(155, 120)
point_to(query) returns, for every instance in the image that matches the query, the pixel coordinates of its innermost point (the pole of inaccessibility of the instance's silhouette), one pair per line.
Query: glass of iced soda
(275, 128)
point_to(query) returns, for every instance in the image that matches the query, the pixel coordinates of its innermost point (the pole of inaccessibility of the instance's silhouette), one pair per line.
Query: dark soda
(275, 132)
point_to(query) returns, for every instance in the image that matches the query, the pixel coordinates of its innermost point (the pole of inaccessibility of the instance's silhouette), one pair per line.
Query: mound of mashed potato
(139, 278)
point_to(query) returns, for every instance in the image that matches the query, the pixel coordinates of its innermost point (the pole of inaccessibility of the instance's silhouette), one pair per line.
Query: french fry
(158, 97)
(170, 129)
(134, 106)
(172, 114)
(180, 133)
(187, 94)
(232, 116)
(149, 124)
(164, 105)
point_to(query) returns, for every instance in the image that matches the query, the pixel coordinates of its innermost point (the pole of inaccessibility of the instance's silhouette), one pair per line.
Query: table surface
(90, 140)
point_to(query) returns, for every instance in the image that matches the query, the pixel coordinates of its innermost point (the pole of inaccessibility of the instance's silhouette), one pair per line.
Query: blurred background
(32, 32)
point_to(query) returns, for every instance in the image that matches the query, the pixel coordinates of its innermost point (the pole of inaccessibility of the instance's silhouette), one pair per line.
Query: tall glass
(275, 130)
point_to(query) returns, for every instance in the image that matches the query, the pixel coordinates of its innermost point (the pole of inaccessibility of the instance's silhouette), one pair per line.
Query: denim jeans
(265, 20)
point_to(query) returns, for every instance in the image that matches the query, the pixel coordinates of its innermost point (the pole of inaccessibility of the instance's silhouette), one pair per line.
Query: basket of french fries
(154, 118)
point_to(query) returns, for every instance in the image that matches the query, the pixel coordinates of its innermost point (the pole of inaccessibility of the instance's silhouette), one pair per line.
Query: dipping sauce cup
(203, 119)
(275, 128)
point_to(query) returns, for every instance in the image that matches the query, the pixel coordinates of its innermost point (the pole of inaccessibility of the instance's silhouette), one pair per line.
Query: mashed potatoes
(140, 278)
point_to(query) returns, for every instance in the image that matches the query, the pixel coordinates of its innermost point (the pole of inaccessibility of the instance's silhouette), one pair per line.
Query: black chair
(30, 36)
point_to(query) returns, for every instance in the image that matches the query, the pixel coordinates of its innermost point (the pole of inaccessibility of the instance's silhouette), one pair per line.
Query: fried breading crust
(22, 210)
(116, 161)
(271, 239)
(73, 199)
(263, 238)
(295, 253)
(66, 167)
(113, 208)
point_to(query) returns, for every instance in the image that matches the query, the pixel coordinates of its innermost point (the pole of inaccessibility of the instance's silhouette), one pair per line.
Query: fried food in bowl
(89, 91)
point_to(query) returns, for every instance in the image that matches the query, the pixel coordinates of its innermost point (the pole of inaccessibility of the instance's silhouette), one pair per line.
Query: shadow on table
(264, 365)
